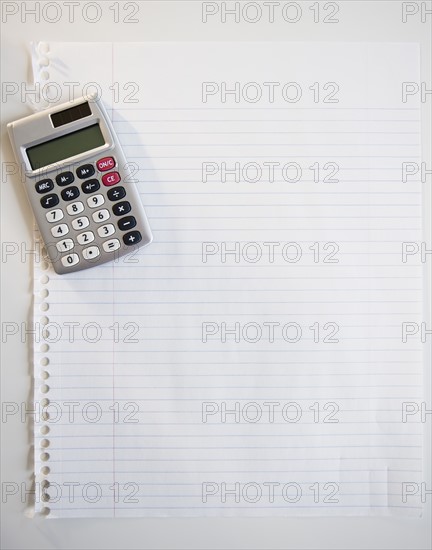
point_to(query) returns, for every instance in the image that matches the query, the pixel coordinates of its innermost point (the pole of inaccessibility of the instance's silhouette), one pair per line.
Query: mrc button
(43, 186)
(107, 163)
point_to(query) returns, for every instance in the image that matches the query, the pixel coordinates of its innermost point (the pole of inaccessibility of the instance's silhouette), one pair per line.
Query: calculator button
(60, 230)
(80, 223)
(101, 215)
(111, 245)
(44, 186)
(49, 201)
(90, 186)
(85, 238)
(129, 222)
(90, 252)
(107, 163)
(65, 245)
(117, 193)
(95, 201)
(54, 215)
(133, 237)
(106, 230)
(111, 179)
(122, 208)
(70, 260)
(75, 208)
(85, 171)
(65, 178)
(70, 193)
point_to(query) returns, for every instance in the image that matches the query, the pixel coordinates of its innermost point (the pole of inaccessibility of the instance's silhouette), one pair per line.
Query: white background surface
(359, 21)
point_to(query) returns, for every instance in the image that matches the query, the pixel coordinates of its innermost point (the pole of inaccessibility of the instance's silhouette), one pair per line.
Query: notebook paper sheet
(249, 361)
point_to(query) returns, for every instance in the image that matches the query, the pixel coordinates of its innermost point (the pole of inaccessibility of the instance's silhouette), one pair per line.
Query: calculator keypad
(82, 243)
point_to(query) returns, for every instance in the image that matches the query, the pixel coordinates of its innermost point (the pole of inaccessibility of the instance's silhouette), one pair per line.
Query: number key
(70, 260)
(101, 215)
(86, 237)
(75, 208)
(60, 230)
(65, 245)
(80, 223)
(54, 215)
(95, 201)
(106, 230)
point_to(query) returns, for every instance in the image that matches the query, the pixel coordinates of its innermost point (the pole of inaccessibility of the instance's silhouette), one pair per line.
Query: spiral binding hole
(44, 374)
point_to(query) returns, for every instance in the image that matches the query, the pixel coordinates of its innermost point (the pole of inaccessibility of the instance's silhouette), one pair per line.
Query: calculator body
(79, 185)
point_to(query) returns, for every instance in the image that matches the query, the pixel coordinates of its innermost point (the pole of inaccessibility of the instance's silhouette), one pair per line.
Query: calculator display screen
(63, 147)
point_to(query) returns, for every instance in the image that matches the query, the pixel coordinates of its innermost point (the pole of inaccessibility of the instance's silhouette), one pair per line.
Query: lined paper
(249, 361)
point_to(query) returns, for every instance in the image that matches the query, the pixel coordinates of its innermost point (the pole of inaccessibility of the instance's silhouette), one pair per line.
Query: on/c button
(111, 179)
(107, 163)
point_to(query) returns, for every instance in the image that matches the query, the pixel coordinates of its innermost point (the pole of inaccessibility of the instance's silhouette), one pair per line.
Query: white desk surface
(373, 21)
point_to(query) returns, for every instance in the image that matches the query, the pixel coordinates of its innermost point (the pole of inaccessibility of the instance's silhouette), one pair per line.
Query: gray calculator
(79, 185)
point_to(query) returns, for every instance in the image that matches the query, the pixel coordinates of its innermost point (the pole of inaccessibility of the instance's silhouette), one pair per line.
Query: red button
(111, 179)
(107, 163)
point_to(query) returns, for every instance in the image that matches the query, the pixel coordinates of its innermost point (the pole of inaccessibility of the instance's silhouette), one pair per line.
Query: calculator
(79, 185)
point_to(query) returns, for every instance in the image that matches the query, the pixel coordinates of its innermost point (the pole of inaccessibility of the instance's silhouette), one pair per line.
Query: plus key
(131, 238)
